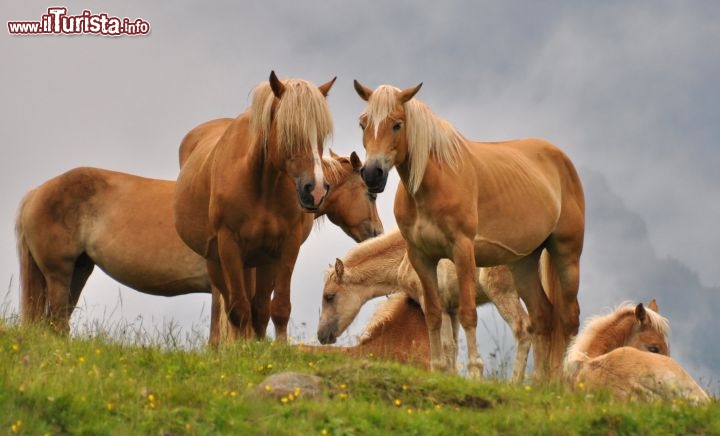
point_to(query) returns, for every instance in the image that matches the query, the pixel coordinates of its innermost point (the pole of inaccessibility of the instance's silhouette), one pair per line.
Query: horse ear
(325, 89)
(277, 87)
(406, 94)
(362, 91)
(339, 270)
(652, 305)
(333, 154)
(640, 313)
(355, 161)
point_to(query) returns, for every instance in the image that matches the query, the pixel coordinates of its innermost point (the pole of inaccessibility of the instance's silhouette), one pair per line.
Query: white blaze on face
(319, 192)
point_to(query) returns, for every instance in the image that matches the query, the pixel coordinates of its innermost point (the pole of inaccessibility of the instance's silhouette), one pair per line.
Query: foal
(379, 267)
(627, 353)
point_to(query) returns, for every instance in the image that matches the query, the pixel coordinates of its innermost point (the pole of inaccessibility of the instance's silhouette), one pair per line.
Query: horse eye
(653, 349)
(397, 126)
(329, 297)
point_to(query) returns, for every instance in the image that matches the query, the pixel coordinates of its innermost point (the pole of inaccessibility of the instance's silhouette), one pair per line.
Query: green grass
(54, 385)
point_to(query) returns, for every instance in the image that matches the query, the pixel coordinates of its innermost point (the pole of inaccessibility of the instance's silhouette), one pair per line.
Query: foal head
(340, 304)
(627, 326)
(292, 120)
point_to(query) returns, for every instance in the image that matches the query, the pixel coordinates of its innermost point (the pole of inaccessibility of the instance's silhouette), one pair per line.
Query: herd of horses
(476, 223)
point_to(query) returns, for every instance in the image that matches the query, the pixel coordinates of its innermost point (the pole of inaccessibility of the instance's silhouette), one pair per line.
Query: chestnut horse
(379, 267)
(124, 224)
(627, 353)
(242, 201)
(480, 204)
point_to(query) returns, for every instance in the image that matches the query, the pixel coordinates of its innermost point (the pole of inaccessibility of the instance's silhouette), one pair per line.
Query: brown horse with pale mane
(480, 204)
(124, 224)
(626, 352)
(379, 267)
(242, 201)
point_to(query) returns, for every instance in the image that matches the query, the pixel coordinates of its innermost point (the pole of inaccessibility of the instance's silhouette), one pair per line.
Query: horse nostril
(326, 185)
(378, 172)
(308, 188)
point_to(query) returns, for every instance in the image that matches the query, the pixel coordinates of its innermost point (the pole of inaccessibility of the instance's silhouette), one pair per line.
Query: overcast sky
(629, 89)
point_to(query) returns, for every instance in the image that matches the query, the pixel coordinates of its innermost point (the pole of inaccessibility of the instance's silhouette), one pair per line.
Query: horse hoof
(475, 370)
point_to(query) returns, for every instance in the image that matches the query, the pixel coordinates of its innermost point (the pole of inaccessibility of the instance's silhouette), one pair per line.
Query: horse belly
(489, 252)
(167, 270)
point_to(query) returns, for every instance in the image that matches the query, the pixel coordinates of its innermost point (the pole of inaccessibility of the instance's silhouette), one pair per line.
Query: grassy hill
(54, 385)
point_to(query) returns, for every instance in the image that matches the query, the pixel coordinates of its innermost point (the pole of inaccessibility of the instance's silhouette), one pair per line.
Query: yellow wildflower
(15, 427)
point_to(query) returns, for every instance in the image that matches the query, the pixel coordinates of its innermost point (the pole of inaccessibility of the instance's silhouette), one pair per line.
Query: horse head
(296, 121)
(339, 306)
(349, 204)
(649, 331)
(384, 131)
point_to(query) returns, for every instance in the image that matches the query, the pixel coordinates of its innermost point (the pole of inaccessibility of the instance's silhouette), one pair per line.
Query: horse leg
(464, 260)
(561, 273)
(58, 302)
(83, 268)
(448, 335)
(498, 287)
(527, 281)
(219, 323)
(263, 277)
(228, 277)
(426, 270)
(280, 306)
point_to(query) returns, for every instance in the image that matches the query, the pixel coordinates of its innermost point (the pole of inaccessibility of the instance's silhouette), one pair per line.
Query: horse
(123, 223)
(243, 201)
(626, 352)
(396, 331)
(379, 266)
(480, 204)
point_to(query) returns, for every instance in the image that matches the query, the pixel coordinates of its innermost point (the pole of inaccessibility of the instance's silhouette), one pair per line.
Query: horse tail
(559, 340)
(33, 287)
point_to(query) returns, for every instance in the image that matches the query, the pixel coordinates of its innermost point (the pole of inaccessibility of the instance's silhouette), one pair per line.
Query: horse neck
(373, 265)
(607, 336)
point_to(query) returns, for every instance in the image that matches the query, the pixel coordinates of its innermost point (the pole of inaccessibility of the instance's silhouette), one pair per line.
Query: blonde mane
(302, 116)
(427, 134)
(384, 313)
(599, 323)
(374, 254)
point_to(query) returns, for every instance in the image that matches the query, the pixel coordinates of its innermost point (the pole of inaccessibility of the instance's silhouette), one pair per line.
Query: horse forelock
(598, 324)
(427, 134)
(302, 116)
(381, 104)
(333, 169)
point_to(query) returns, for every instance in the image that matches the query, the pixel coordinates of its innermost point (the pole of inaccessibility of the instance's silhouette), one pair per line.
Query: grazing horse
(480, 204)
(241, 202)
(396, 332)
(626, 352)
(379, 266)
(124, 224)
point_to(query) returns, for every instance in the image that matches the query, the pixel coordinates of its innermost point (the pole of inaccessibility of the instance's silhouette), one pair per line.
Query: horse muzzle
(375, 176)
(311, 194)
(326, 333)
